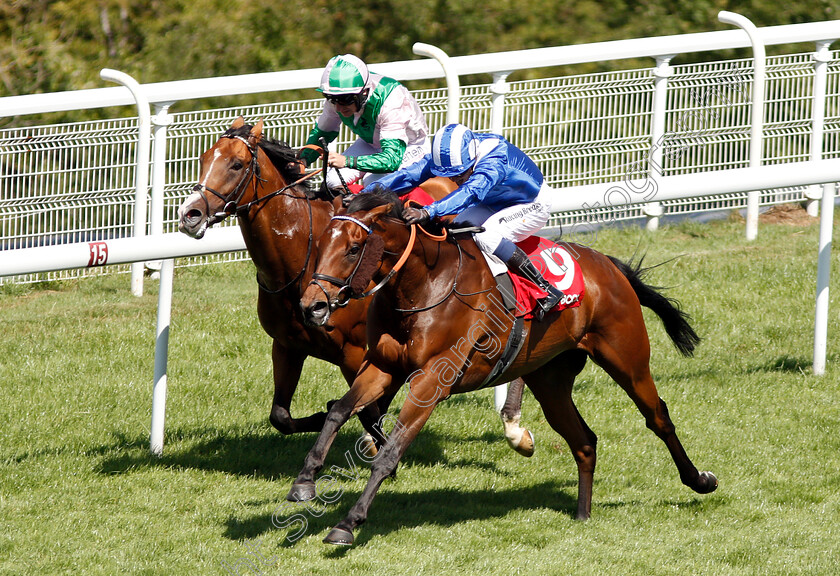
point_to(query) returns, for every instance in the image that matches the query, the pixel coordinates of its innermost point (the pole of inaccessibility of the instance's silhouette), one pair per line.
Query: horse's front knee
(386, 461)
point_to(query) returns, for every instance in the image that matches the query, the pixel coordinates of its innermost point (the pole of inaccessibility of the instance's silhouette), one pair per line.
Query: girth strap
(515, 340)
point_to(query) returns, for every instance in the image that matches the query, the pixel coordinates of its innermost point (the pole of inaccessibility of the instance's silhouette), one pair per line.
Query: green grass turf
(80, 494)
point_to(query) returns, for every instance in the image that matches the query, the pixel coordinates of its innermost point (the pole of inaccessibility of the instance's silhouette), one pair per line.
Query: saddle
(557, 263)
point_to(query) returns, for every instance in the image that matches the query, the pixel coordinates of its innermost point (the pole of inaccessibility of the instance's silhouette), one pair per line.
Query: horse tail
(676, 321)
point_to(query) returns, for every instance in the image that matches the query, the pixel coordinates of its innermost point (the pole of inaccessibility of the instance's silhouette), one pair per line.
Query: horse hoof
(526, 444)
(301, 492)
(339, 537)
(707, 483)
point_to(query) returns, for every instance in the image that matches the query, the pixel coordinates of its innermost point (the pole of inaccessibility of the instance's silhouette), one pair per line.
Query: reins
(408, 248)
(301, 180)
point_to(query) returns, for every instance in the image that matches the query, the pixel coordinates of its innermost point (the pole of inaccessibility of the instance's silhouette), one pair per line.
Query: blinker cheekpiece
(371, 256)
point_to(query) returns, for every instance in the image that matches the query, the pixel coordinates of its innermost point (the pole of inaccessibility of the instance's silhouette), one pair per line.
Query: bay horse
(260, 181)
(436, 295)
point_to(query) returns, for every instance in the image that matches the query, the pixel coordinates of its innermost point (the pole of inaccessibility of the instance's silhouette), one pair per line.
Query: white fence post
(160, 121)
(823, 277)
(661, 73)
(757, 118)
(453, 83)
(164, 315)
(498, 90)
(142, 176)
(822, 56)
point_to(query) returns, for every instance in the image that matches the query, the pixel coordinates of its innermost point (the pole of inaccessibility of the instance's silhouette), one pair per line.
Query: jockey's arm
(386, 161)
(487, 174)
(406, 178)
(309, 156)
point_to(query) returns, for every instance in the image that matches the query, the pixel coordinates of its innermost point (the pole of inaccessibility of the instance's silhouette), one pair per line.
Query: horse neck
(278, 232)
(430, 261)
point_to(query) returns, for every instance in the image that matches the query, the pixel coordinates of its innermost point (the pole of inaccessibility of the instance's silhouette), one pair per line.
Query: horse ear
(238, 123)
(256, 132)
(373, 215)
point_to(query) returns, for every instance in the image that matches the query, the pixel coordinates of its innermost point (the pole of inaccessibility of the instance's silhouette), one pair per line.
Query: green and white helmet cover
(345, 74)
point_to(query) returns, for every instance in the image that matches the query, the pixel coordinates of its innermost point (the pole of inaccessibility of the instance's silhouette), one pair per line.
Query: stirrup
(548, 303)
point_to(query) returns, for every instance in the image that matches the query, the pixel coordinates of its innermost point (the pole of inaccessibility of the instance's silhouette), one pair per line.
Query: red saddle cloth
(417, 194)
(558, 265)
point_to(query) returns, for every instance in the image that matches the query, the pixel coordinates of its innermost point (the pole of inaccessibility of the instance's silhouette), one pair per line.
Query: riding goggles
(341, 99)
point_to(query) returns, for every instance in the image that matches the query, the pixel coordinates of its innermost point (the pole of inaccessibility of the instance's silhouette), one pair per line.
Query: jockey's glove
(413, 215)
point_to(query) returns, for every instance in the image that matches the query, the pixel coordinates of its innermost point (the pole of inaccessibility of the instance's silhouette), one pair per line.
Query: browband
(355, 220)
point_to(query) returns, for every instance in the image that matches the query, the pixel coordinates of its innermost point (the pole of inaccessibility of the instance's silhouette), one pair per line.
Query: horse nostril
(317, 312)
(318, 308)
(194, 216)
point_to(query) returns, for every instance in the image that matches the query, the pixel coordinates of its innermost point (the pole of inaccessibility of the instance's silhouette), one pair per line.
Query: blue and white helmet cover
(454, 150)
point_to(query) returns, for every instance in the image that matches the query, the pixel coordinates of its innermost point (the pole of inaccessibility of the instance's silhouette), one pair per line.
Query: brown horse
(248, 175)
(436, 323)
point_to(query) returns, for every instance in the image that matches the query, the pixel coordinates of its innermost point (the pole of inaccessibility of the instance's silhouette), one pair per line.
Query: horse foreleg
(287, 367)
(413, 416)
(370, 384)
(372, 438)
(519, 439)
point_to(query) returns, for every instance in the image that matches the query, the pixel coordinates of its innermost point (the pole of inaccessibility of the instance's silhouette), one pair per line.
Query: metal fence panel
(75, 182)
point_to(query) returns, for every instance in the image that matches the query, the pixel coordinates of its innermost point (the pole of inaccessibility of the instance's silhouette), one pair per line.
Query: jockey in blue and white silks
(499, 189)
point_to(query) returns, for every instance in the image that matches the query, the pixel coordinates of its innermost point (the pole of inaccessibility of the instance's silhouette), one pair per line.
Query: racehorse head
(231, 171)
(351, 253)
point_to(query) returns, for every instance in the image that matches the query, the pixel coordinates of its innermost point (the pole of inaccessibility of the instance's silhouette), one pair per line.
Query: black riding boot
(523, 265)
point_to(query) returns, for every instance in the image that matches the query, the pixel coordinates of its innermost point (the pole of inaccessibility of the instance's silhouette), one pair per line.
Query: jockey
(391, 127)
(499, 189)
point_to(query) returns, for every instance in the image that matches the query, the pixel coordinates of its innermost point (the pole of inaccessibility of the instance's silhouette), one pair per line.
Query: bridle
(346, 289)
(232, 206)
(230, 200)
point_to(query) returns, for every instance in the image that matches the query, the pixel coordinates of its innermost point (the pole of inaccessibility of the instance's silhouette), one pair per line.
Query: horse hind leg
(629, 366)
(519, 439)
(552, 387)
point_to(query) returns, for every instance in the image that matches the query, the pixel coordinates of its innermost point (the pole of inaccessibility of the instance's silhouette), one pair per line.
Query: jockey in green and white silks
(379, 110)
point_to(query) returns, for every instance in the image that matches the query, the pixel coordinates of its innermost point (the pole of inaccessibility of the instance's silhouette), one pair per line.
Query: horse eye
(237, 166)
(354, 249)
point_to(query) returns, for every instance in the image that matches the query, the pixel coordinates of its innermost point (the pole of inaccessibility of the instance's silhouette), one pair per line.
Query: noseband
(353, 286)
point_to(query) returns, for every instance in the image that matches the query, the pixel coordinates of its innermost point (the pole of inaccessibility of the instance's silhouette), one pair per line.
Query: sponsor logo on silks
(520, 213)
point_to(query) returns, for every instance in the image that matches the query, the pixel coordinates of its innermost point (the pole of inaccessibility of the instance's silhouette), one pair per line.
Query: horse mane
(377, 197)
(280, 153)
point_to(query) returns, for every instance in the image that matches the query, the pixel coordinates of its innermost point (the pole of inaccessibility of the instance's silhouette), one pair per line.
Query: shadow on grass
(393, 511)
(784, 363)
(267, 455)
